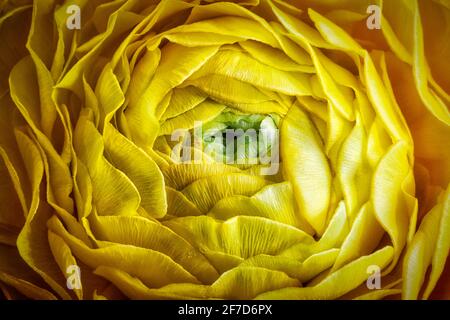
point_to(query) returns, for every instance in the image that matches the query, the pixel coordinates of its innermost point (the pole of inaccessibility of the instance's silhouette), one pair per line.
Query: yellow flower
(99, 198)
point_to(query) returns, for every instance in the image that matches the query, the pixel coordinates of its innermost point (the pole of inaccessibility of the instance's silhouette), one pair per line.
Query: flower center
(240, 138)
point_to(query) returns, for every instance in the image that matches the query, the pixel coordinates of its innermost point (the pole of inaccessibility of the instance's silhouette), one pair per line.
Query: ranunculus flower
(99, 200)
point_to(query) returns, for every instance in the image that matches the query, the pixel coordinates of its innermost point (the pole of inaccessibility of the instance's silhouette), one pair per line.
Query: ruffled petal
(306, 167)
(241, 236)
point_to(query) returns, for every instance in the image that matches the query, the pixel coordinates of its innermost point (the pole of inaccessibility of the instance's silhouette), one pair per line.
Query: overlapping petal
(91, 175)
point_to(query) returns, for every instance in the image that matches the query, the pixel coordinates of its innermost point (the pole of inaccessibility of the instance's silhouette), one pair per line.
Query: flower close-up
(242, 149)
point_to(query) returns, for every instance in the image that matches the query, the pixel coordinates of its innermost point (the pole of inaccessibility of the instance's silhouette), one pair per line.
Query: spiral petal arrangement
(92, 180)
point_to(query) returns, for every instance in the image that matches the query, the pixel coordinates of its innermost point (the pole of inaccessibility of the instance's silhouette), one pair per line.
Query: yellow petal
(306, 167)
(179, 176)
(109, 94)
(235, 93)
(337, 283)
(337, 229)
(140, 232)
(333, 237)
(134, 288)
(142, 75)
(113, 192)
(389, 202)
(364, 236)
(275, 202)
(303, 271)
(26, 288)
(220, 260)
(13, 32)
(11, 212)
(421, 74)
(194, 39)
(385, 108)
(353, 170)
(34, 249)
(333, 33)
(229, 26)
(378, 142)
(23, 93)
(379, 294)
(82, 190)
(152, 267)
(430, 245)
(248, 282)
(63, 257)
(241, 66)
(182, 100)
(442, 246)
(178, 205)
(203, 112)
(340, 98)
(299, 30)
(219, 187)
(15, 273)
(176, 65)
(276, 58)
